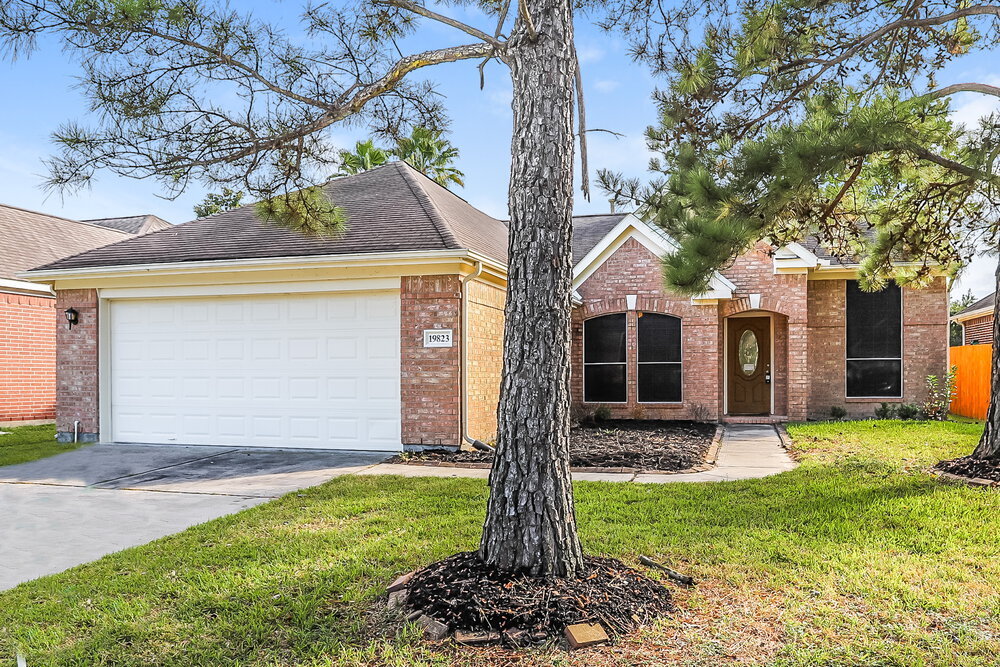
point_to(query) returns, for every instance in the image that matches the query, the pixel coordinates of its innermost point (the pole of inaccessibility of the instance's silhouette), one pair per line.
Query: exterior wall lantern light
(72, 317)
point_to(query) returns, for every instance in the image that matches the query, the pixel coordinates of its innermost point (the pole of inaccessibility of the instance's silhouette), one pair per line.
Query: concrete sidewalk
(748, 451)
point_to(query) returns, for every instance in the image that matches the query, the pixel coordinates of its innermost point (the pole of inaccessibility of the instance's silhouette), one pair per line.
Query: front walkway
(747, 451)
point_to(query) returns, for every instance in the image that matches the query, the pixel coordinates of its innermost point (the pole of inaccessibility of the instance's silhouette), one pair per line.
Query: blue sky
(618, 98)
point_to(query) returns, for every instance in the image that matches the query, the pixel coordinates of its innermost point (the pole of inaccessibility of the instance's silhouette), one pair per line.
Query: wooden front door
(748, 365)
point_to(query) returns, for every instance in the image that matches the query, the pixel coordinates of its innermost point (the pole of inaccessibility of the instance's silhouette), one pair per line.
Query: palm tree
(428, 153)
(366, 155)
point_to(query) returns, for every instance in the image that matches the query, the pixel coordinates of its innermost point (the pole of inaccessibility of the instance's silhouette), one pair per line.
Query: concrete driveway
(76, 507)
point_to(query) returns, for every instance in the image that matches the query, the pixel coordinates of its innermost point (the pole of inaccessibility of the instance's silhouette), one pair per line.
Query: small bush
(908, 411)
(603, 413)
(837, 412)
(699, 412)
(940, 392)
(885, 411)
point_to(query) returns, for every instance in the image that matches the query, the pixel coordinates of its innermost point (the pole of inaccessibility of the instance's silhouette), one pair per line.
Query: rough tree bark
(530, 523)
(989, 443)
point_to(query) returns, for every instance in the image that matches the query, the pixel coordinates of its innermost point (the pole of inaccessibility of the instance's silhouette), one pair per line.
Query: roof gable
(133, 224)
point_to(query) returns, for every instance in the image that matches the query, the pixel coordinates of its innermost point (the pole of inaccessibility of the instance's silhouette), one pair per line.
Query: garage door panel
(279, 370)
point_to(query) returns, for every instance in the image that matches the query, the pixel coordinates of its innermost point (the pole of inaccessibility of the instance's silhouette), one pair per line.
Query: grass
(30, 443)
(856, 557)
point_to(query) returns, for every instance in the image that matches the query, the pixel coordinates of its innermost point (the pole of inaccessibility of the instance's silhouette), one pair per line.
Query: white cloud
(589, 53)
(968, 108)
(978, 276)
(607, 85)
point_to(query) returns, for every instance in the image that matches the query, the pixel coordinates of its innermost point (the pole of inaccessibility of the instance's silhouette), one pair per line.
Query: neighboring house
(133, 224)
(228, 330)
(977, 322)
(27, 310)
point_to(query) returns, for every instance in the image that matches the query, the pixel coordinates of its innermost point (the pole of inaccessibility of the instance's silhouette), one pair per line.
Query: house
(27, 310)
(229, 330)
(977, 321)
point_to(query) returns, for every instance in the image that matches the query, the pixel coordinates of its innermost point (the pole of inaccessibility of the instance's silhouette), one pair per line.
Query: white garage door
(318, 371)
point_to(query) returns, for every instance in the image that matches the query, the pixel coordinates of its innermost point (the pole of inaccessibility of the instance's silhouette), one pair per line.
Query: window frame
(680, 333)
(902, 351)
(584, 363)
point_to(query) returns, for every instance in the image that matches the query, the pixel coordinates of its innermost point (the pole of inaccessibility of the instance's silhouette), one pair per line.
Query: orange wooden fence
(972, 382)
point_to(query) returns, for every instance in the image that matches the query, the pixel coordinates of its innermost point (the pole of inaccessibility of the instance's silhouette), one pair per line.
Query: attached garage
(278, 370)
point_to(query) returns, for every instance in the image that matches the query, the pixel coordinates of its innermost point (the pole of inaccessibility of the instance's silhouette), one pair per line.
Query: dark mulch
(647, 444)
(967, 466)
(465, 594)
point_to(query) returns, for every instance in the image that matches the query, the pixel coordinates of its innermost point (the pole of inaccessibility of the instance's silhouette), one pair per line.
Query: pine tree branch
(843, 190)
(970, 87)
(441, 18)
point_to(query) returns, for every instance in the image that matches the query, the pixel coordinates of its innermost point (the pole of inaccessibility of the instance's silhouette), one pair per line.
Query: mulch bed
(644, 445)
(971, 468)
(467, 595)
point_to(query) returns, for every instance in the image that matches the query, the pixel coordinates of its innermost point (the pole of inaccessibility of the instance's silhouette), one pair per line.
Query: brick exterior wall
(925, 346)
(430, 377)
(27, 358)
(485, 310)
(77, 378)
(979, 330)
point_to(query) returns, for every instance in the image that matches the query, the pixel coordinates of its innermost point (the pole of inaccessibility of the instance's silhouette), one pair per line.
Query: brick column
(77, 371)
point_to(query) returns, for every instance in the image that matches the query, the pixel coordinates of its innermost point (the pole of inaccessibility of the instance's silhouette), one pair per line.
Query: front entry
(748, 365)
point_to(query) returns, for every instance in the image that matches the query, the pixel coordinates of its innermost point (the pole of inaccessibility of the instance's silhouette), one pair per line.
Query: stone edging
(786, 440)
(969, 481)
(711, 456)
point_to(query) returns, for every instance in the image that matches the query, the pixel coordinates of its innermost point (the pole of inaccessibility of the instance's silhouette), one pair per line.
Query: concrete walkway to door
(747, 451)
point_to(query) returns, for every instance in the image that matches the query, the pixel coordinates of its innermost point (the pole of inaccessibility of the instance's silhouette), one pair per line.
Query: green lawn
(28, 443)
(858, 557)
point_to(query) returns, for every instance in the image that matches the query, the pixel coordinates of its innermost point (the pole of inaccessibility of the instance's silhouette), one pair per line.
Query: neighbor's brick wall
(77, 379)
(925, 346)
(633, 269)
(430, 377)
(979, 330)
(27, 358)
(485, 357)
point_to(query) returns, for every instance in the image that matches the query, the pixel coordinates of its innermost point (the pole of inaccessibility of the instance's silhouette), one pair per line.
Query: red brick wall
(27, 358)
(925, 346)
(980, 330)
(633, 269)
(77, 379)
(430, 378)
(485, 357)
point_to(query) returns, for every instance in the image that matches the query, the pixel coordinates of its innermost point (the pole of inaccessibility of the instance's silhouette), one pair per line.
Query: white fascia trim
(972, 314)
(654, 239)
(400, 259)
(246, 289)
(8, 285)
(795, 257)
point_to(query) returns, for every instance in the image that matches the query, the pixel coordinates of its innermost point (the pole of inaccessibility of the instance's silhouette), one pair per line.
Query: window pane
(604, 384)
(659, 383)
(874, 377)
(659, 337)
(604, 339)
(873, 322)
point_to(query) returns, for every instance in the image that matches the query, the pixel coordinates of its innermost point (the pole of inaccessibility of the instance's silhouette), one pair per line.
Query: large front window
(604, 359)
(657, 360)
(874, 342)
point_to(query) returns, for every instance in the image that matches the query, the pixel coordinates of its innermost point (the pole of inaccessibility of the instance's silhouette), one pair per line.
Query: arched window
(659, 358)
(604, 359)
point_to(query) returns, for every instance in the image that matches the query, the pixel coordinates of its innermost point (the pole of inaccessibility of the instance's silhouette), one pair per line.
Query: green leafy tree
(956, 306)
(781, 119)
(217, 202)
(366, 155)
(156, 71)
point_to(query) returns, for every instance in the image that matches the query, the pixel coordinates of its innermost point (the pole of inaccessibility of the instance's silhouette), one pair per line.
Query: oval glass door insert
(749, 352)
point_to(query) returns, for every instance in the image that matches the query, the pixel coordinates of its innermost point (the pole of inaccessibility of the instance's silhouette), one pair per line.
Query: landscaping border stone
(969, 481)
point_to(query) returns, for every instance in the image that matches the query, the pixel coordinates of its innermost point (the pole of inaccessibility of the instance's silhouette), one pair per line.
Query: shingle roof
(134, 224)
(986, 302)
(588, 230)
(29, 238)
(392, 208)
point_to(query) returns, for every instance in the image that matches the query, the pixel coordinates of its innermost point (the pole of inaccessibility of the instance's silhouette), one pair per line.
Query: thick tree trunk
(530, 523)
(989, 444)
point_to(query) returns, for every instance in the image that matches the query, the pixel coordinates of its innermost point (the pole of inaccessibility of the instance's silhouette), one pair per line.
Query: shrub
(837, 412)
(885, 411)
(940, 392)
(602, 413)
(908, 411)
(699, 412)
